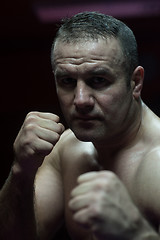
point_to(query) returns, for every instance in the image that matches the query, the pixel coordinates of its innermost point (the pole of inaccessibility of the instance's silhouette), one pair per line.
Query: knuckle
(111, 175)
(32, 113)
(107, 175)
(56, 138)
(97, 210)
(105, 181)
(101, 184)
(30, 127)
(56, 118)
(31, 117)
(60, 128)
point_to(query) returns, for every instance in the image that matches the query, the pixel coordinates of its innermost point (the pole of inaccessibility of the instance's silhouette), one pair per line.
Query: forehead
(91, 52)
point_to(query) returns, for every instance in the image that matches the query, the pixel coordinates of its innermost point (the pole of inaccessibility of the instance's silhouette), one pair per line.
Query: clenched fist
(101, 204)
(36, 139)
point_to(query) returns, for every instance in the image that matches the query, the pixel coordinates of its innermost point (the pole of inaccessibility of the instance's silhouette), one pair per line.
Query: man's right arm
(36, 139)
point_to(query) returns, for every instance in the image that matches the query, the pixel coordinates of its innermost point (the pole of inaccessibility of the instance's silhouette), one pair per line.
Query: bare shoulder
(69, 139)
(69, 150)
(65, 143)
(147, 179)
(72, 151)
(149, 167)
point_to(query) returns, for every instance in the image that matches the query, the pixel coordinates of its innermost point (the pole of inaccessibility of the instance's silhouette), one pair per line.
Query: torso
(83, 158)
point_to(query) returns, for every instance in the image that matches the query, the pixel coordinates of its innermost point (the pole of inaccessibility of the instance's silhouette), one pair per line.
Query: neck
(125, 139)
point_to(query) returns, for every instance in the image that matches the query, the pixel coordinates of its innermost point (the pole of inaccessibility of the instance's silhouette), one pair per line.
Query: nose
(83, 99)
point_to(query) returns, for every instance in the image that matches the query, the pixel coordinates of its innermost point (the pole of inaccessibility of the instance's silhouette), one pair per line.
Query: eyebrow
(60, 73)
(100, 71)
(94, 71)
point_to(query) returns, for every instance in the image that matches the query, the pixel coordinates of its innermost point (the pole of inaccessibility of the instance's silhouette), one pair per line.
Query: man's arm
(36, 139)
(17, 220)
(101, 204)
(49, 202)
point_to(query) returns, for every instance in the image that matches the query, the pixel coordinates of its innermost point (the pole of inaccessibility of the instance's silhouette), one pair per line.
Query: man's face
(92, 89)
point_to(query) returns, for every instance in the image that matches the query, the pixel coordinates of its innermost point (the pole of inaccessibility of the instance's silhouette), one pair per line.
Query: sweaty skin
(115, 145)
(99, 179)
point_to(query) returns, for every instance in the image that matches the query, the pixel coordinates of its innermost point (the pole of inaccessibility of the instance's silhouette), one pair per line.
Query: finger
(81, 189)
(79, 202)
(40, 147)
(83, 218)
(47, 135)
(51, 125)
(61, 127)
(87, 177)
(32, 122)
(44, 115)
(45, 120)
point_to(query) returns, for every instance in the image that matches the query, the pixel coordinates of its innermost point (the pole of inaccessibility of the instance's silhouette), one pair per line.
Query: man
(101, 176)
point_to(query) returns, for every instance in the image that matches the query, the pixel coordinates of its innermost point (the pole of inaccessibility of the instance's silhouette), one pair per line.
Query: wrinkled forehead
(92, 49)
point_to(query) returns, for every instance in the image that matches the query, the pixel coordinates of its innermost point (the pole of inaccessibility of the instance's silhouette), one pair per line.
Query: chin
(87, 136)
(88, 132)
(82, 135)
(84, 138)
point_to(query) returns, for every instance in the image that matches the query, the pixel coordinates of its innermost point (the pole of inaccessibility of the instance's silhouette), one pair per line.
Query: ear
(137, 81)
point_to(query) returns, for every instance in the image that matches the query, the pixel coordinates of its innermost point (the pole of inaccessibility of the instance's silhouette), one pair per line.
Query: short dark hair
(94, 25)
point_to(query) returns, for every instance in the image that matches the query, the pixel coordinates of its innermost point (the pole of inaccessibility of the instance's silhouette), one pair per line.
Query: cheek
(108, 100)
(64, 99)
(113, 100)
(65, 103)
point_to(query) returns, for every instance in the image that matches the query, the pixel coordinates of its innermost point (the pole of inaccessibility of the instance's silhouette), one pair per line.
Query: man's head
(91, 64)
(94, 26)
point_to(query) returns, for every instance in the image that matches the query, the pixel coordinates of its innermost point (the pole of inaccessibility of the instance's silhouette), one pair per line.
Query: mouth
(87, 118)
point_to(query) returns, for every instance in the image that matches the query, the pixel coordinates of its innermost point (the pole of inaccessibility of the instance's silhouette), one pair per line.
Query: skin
(101, 176)
(99, 96)
(92, 90)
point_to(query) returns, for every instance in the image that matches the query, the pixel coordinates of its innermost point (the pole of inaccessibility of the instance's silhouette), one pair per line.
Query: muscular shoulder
(75, 153)
(70, 139)
(147, 183)
(149, 168)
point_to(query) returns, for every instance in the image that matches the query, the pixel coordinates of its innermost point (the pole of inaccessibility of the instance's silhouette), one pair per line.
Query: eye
(67, 82)
(98, 82)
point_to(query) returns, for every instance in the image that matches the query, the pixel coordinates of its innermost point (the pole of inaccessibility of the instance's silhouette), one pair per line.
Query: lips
(86, 118)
